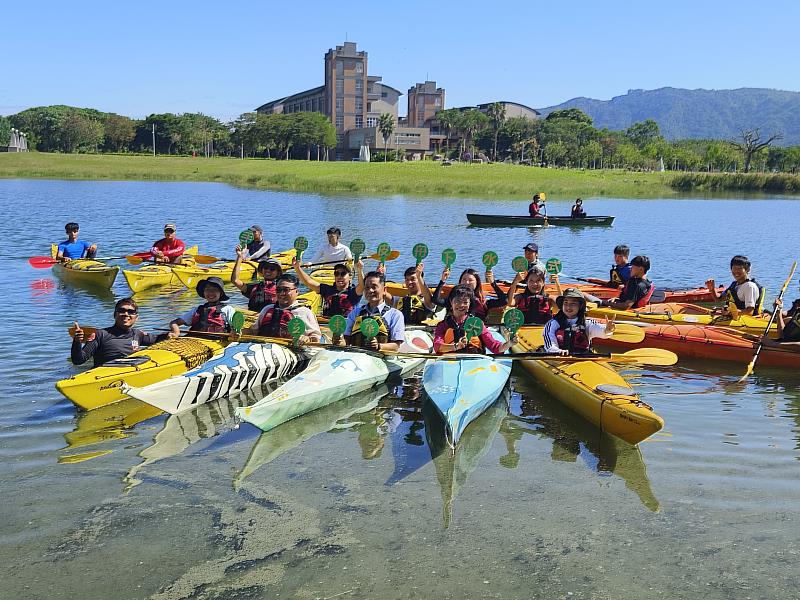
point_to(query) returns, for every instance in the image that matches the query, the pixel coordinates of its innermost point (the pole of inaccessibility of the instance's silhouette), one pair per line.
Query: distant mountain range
(698, 114)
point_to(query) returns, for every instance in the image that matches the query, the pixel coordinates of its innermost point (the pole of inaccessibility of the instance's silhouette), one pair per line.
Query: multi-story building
(424, 101)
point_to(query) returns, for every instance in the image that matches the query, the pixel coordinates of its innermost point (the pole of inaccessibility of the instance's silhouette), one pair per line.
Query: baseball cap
(257, 228)
(170, 226)
(532, 247)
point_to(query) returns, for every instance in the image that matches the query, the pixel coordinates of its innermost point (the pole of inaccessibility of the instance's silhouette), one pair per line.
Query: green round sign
(300, 244)
(357, 247)
(553, 266)
(419, 252)
(296, 327)
(337, 324)
(448, 257)
(519, 264)
(490, 259)
(513, 319)
(473, 327)
(237, 321)
(246, 237)
(384, 250)
(370, 328)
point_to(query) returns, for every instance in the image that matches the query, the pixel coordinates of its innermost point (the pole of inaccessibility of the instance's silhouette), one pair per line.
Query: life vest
(615, 277)
(644, 301)
(535, 307)
(262, 294)
(533, 210)
(339, 303)
(414, 311)
(455, 332)
(731, 297)
(572, 337)
(254, 247)
(791, 327)
(357, 338)
(209, 318)
(275, 322)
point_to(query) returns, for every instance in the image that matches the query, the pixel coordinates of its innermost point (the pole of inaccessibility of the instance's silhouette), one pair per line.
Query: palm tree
(447, 120)
(497, 115)
(473, 121)
(386, 127)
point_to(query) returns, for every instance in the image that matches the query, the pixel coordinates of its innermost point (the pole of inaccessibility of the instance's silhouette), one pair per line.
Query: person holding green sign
(391, 328)
(273, 320)
(414, 306)
(333, 250)
(451, 334)
(470, 277)
(570, 332)
(536, 305)
(261, 293)
(257, 249)
(341, 297)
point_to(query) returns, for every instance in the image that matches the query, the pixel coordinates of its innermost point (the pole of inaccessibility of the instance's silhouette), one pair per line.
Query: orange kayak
(708, 342)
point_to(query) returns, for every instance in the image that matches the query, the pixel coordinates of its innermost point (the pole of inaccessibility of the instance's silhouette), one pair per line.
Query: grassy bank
(426, 178)
(751, 182)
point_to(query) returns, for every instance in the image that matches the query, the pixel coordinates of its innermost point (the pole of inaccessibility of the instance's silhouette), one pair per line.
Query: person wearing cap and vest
(259, 248)
(534, 302)
(333, 250)
(341, 297)
(450, 336)
(391, 325)
(168, 249)
(414, 306)
(273, 320)
(214, 316)
(261, 293)
(745, 293)
(72, 247)
(638, 290)
(569, 331)
(531, 250)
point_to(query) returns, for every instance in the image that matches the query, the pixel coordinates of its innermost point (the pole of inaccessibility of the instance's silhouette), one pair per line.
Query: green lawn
(423, 178)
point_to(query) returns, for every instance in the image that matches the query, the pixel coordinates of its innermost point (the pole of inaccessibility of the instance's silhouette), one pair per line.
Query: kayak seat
(614, 390)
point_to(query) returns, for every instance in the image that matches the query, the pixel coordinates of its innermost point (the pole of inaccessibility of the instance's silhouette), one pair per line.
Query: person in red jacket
(534, 208)
(168, 249)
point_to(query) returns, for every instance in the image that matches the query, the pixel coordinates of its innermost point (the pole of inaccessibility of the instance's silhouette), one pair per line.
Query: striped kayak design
(100, 386)
(593, 390)
(240, 367)
(464, 388)
(708, 342)
(685, 314)
(86, 272)
(332, 375)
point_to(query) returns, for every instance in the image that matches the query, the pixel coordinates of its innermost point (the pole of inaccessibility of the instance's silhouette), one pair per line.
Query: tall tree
(570, 114)
(386, 127)
(472, 121)
(497, 115)
(643, 133)
(750, 142)
(448, 119)
(120, 131)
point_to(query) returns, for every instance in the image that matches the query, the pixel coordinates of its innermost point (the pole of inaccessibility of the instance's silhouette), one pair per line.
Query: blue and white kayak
(242, 366)
(463, 388)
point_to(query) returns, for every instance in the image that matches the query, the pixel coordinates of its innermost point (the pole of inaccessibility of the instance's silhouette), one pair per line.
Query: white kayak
(332, 375)
(241, 366)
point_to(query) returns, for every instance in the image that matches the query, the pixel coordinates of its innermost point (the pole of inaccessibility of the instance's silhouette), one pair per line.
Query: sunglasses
(340, 273)
(285, 290)
(169, 231)
(127, 311)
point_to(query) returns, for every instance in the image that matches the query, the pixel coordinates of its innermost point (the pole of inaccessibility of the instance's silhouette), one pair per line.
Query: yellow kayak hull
(151, 275)
(100, 386)
(86, 272)
(593, 390)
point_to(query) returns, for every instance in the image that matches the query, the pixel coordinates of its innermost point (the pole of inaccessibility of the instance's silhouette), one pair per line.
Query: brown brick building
(424, 101)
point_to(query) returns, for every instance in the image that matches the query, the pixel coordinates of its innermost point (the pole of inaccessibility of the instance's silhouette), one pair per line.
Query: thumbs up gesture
(78, 333)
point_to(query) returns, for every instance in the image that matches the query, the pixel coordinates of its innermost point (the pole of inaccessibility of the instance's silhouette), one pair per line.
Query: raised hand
(79, 335)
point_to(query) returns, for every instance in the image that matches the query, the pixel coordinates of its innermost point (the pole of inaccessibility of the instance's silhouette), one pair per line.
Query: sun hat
(570, 293)
(201, 287)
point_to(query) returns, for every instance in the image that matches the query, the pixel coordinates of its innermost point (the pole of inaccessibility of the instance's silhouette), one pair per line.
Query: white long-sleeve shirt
(328, 253)
(593, 330)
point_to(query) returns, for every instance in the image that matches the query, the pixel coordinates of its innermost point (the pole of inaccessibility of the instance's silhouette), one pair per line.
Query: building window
(359, 104)
(372, 122)
(384, 94)
(359, 121)
(359, 85)
(339, 105)
(340, 67)
(340, 87)
(359, 67)
(339, 122)
(438, 101)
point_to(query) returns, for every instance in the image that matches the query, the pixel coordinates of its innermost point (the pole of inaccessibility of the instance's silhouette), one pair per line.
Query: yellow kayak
(686, 314)
(101, 385)
(86, 272)
(593, 390)
(191, 275)
(151, 275)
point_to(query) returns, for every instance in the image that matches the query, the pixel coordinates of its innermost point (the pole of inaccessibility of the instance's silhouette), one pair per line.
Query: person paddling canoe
(414, 307)
(214, 316)
(470, 277)
(744, 292)
(263, 292)
(535, 207)
(391, 332)
(341, 297)
(273, 320)
(450, 335)
(569, 331)
(638, 290)
(534, 303)
(72, 247)
(168, 249)
(111, 343)
(577, 211)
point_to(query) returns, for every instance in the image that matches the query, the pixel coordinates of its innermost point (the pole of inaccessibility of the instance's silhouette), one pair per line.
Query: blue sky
(224, 59)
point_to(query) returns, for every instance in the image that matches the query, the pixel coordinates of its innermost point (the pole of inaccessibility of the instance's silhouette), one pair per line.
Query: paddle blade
(134, 260)
(748, 372)
(41, 262)
(205, 259)
(647, 356)
(630, 334)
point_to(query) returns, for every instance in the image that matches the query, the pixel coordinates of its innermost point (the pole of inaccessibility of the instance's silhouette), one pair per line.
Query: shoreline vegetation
(412, 178)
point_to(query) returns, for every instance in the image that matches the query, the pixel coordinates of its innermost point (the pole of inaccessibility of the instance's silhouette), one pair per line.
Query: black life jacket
(357, 338)
(413, 309)
(340, 303)
(791, 326)
(615, 276)
(209, 318)
(254, 247)
(262, 294)
(731, 297)
(275, 322)
(535, 307)
(641, 302)
(572, 337)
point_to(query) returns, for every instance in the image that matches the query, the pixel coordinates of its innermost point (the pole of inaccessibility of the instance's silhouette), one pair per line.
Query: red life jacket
(275, 322)
(262, 294)
(573, 338)
(533, 210)
(535, 307)
(209, 318)
(455, 332)
(644, 301)
(340, 303)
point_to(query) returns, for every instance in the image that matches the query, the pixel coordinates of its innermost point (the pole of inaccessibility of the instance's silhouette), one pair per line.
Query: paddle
(752, 364)
(419, 252)
(45, 262)
(357, 247)
(543, 197)
(300, 246)
(641, 356)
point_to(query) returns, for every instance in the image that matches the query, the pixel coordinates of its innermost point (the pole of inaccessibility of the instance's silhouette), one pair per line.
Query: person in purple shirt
(72, 247)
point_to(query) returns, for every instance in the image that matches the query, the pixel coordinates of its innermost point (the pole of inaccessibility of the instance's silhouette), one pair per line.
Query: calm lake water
(347, 502)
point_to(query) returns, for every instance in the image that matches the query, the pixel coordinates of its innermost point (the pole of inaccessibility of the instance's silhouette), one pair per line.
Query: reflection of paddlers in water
(577, 209)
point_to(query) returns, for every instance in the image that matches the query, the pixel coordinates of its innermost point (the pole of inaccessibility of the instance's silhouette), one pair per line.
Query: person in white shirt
(570, 332)
(213, 317)
(744, 293)
(333, 250)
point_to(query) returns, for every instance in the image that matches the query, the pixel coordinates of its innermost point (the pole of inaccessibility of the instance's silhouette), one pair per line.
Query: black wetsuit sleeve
(502, 297)
(148, 339)
(80, 355)
(437, 295)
